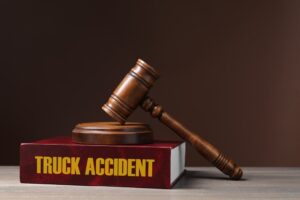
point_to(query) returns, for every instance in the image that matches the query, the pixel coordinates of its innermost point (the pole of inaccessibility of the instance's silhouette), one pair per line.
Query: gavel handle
(207, 150)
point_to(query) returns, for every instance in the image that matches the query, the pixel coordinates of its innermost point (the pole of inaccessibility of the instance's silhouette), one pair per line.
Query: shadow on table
(193, 179)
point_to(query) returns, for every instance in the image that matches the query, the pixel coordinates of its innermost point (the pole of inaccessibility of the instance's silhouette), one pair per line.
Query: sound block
(112, 133)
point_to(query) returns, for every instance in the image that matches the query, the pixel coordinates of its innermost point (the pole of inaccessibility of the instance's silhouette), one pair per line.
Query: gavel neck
(149, 105)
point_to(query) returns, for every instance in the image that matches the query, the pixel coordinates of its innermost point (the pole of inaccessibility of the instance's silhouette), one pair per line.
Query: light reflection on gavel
(133, 90)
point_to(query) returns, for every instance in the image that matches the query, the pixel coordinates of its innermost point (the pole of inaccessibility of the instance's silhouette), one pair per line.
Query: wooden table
(198, 183)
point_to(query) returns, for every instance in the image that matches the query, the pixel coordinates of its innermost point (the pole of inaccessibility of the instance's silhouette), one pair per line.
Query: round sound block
(112, 133)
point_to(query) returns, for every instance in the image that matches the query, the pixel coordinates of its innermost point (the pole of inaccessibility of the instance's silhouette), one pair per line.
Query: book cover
(60, 161)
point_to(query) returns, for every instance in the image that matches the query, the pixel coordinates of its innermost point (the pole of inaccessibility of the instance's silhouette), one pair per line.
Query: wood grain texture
(133, 90)
(112, 133)
(207, 150)
(198, 183)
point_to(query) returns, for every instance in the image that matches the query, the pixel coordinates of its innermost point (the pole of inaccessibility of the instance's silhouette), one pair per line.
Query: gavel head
(131, 91)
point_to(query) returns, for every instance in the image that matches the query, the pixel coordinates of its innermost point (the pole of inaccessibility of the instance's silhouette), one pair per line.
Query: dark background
(230, 71)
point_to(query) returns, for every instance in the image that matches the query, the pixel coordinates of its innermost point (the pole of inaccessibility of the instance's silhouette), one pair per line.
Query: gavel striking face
(133, 90)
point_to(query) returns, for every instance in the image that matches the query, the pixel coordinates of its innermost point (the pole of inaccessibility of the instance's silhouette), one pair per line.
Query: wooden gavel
(133, 90)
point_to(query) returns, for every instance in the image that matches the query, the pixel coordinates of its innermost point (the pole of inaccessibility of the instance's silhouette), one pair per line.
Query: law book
(60, 161)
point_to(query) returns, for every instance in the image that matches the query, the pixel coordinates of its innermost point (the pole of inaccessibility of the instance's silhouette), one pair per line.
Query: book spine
(95, 165)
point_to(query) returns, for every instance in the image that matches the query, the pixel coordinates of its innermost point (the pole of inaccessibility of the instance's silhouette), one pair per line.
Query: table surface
(198, 183)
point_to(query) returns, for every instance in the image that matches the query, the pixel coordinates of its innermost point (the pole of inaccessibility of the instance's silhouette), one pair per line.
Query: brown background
(230, 70)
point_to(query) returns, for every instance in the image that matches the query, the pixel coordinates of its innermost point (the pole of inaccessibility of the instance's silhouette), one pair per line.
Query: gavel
(133, 91)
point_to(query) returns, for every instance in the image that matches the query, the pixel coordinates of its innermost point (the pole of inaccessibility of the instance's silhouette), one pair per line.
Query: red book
(60, 161)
